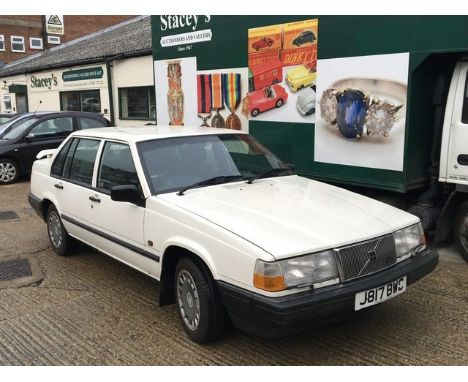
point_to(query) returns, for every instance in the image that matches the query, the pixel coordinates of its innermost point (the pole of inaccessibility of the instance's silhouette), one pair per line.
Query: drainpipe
(110, 86)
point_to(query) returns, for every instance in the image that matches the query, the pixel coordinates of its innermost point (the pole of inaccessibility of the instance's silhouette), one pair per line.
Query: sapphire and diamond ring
(348, 105)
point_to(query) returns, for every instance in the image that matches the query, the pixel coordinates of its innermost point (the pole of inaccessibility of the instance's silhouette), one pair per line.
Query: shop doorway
(21, 103)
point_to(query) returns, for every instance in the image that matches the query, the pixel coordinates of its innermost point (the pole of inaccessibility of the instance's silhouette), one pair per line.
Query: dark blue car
(304, 37)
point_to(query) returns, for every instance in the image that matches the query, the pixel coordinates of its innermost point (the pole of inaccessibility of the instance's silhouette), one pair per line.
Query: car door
(120, 223)
(72, 185)
(45, 134)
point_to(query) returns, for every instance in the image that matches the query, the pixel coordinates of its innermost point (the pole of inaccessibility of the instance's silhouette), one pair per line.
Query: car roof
(138, 134)
(46, 113)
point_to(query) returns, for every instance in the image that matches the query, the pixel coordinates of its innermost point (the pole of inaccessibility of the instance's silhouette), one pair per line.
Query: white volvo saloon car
(229, 231)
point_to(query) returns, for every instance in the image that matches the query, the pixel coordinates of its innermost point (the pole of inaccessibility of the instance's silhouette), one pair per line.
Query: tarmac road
(91, 310)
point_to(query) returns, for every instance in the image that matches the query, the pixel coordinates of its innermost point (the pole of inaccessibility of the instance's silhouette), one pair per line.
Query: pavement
(89, 309)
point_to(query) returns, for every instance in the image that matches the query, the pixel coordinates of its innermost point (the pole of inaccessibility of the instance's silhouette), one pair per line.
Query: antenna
(39, 104)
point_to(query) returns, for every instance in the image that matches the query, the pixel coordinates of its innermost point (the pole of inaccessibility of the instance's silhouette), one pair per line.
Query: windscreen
(174, 163)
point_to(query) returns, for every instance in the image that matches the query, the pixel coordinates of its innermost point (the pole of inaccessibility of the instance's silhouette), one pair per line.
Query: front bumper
(280, 316)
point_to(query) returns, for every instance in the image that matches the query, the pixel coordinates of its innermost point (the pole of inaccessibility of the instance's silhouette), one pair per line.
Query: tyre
(279, 103)
(257, 48)
(255, 112)
(62, 243)
(9, 171)
(460, 229)
(270, 43)
(200, 308)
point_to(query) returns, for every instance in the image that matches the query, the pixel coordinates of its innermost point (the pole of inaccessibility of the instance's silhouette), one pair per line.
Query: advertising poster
(176, 91)
(362, 106)
(282, 62)
(221, 96)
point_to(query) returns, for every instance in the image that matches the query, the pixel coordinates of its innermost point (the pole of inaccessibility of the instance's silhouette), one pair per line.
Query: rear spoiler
(44, 154)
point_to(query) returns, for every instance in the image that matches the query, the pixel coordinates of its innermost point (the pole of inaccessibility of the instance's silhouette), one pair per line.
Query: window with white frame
(53, 40)
(2, 43)
(36, 43)
(17, 44)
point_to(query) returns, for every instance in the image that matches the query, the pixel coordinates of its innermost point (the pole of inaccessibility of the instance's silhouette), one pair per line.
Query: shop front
(71, 89)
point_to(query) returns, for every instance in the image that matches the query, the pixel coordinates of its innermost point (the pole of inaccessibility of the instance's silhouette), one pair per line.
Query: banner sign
(83, 74)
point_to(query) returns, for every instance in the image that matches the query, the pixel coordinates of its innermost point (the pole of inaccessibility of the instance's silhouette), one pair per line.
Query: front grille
(364, 258)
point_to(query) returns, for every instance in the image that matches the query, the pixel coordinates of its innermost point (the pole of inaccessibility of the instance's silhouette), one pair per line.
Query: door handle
(95, 199)
(59, 186)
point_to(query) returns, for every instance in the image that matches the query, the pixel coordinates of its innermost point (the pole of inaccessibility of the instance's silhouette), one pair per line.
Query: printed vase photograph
(176, 91)
(175, 94)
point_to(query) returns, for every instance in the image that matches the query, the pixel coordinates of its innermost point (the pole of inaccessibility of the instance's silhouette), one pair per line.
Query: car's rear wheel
(9, 171)
(62, 243)
(255, 112)
(279, 103)
(200, 308)
(460, 229)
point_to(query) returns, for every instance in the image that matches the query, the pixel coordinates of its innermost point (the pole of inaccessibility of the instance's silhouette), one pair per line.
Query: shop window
(137, 103)
(53, 40)
(17, 44)
(2, 43)
(89, 100)
(36, 43)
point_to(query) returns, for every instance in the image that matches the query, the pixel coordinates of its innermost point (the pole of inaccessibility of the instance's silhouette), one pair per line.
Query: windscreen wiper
(271, 171)
(214, 180)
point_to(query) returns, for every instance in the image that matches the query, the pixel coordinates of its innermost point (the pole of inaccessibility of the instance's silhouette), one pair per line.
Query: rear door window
(465, 103)
(79, 165)
(59, 162)
(54, 127)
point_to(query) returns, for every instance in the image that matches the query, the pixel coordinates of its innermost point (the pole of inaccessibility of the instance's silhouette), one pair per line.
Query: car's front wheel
(9, 171)
(62, 243)
(200, 308)
(279, 103)
(255, 112)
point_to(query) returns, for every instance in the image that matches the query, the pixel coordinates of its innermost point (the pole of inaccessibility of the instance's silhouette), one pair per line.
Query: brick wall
(33, 26)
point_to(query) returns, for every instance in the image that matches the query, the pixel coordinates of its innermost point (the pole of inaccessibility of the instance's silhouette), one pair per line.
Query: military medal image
(175, 95)
(232, 97)
(204, 98)
(217, 101)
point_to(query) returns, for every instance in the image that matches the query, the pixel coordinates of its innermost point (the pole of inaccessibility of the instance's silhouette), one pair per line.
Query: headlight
(295, 272)
(409, 241)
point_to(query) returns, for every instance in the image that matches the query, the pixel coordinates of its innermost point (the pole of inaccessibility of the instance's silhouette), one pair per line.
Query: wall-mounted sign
(54, 24)
(44, 82)
(83, 74)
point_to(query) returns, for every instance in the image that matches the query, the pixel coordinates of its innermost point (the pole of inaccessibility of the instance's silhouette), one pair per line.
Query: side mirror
(127, 193)
(30, 137)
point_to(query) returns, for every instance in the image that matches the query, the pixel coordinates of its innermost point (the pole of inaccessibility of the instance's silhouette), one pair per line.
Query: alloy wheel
(7, 172)
(189, 301)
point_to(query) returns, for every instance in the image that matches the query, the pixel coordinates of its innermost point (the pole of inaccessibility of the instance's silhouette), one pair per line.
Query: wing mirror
(127, 193)
(30, 137)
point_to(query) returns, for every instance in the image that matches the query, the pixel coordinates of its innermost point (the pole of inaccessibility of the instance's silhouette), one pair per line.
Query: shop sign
(44, 83)
(186, 24)
(83, 74)
(54, 24)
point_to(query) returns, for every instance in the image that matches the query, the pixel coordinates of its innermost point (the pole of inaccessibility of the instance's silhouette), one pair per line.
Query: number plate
(382, 293)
